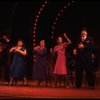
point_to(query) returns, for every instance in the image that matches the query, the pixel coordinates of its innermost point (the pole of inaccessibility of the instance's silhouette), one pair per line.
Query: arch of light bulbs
(36, 22)
(58, 15)
(55, 21)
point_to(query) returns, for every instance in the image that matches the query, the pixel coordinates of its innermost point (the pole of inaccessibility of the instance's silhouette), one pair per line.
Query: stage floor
(31, 91)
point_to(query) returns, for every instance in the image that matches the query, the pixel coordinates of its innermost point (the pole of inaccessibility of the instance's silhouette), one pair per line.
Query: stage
(31, 91)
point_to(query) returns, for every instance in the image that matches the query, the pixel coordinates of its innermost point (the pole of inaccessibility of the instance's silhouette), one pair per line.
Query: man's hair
(84, 29)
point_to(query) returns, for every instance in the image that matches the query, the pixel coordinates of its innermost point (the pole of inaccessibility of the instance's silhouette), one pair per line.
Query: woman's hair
(58, 38)
(22, 42)
(43, 41)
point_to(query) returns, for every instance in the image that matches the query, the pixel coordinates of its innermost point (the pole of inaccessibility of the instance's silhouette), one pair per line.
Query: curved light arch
(36, 22)
(58, 15)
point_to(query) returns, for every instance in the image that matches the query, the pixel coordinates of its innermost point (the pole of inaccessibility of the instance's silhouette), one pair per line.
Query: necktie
(82, 39)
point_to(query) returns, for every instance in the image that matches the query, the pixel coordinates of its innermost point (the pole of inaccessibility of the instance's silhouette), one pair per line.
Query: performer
(18, 68)
(39, 67)
(2, 61)
(6, 43)
(60, 66)
(83, 53)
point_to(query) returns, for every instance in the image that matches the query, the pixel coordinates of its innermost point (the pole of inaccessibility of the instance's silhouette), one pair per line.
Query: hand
(13, 48)
(37, 48)
(51, 50)
(17, 50)
(65, 35)
(81, 46)
(74, 52)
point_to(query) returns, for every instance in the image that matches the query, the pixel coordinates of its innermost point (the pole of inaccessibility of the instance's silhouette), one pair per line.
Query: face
(59, 40)
(20, 43)
(42, 43)
(84, 33)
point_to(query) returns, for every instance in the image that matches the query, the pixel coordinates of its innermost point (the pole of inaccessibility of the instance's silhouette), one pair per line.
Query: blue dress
(18, 68)
(39, 67)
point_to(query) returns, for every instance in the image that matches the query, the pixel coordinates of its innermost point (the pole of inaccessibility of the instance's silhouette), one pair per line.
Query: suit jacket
(85, 54)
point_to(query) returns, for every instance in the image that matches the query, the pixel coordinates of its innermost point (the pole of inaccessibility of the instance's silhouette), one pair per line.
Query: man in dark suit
(83, 54)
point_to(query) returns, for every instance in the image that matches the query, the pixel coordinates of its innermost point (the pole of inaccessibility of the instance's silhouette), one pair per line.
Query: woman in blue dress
(17, 68)
(39, 67)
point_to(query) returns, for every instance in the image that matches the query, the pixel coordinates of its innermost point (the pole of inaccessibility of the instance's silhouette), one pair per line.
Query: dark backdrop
(17, 19)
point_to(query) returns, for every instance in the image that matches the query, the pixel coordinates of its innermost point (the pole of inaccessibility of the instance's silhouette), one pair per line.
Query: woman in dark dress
(39, 67)
(17, 68)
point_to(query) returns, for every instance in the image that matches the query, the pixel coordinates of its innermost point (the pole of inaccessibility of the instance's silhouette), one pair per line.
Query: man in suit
(83, 53)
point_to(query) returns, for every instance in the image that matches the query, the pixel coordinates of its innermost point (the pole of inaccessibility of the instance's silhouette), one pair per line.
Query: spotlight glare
(43, 5)
(36, 20)
(53, 27)
(54, 23)
(68, 4)
(34, 28)
(41, 9)
(56, 18)
(46, 2)
(34, 32)
(37, 16)
(61, 10)
(35, 24)
(34, 56)
(51, 37)
(39, 12)
(65, 7)
(59, 14)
